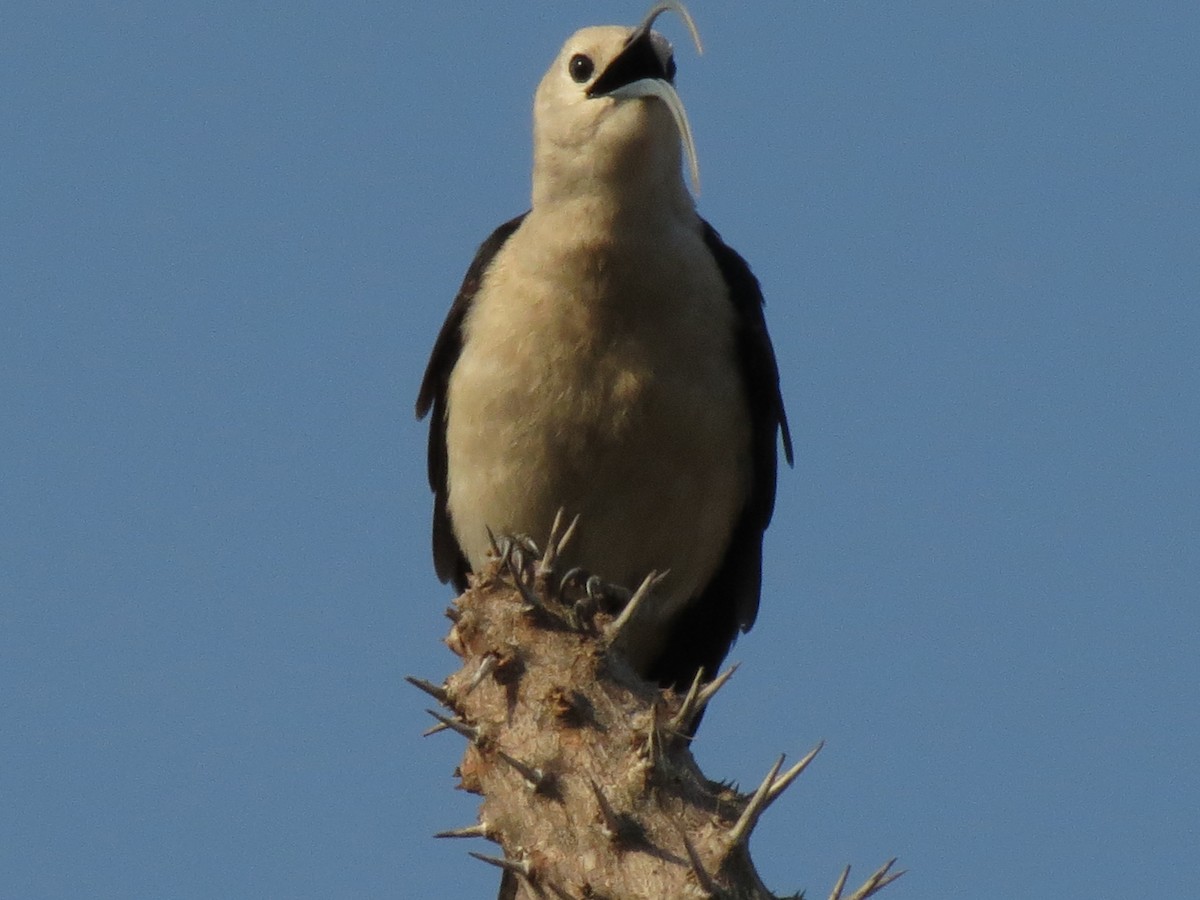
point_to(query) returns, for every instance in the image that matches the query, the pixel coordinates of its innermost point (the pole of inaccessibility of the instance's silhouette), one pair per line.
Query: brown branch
(588, 783)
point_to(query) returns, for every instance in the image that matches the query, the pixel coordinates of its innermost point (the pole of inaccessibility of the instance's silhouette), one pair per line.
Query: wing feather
(448, 559)
(706, 628)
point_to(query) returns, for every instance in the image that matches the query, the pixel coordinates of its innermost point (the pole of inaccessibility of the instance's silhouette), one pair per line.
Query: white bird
(607, 355)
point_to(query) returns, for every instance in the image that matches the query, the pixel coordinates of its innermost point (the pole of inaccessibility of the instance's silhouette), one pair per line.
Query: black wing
(704, 631)
(448, 559)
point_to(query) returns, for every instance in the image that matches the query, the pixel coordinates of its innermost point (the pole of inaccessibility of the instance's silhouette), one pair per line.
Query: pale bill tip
(655, 87)
(650, 87)
(680, 10)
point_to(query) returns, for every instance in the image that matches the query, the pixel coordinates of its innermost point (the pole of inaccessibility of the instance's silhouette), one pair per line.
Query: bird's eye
(581, 68)
(671, 69)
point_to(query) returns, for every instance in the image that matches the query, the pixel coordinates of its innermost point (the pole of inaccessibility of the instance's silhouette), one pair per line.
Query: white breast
(602, 379)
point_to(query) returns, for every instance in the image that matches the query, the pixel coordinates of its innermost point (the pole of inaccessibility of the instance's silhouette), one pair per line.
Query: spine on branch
(588, 783)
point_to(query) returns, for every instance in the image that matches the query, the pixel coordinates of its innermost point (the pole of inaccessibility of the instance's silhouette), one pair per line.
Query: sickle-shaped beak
(638, 60)
(640, 70)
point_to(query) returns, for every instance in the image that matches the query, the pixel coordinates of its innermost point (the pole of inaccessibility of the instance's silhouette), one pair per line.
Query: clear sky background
(228, 234)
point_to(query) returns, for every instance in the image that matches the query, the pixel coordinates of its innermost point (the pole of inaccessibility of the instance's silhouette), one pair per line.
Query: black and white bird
(607, 355)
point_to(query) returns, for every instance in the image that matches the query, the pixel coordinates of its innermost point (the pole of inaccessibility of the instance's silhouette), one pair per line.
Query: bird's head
(607, 116)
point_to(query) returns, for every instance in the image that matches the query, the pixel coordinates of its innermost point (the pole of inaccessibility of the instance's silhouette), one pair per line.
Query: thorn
(508, 670)
(467, 731)
(877, 882)
(611, 825)
(648, 584)
(535, 779)
(622, 830)
(710, 690)
(683, 717)
(570, 707)
(836, 893)
(491, 536)
(740, 833)
(437, 693)
(435, 729)
(702, 877)
(486, 667)
(471, 831)
(781, 784)
(531, 602)
(546, 564)
(566, 536)
(453, 614)
(517, 868)
(649, 748)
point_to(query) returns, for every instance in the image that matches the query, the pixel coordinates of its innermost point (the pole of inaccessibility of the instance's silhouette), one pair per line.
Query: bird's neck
(626, 181)
(637, 199)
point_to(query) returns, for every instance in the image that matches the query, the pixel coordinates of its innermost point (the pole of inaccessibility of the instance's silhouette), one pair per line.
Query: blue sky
(228, 234)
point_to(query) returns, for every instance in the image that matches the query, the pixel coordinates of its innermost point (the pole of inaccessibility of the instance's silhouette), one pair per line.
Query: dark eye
(581, 68)
(671, 69)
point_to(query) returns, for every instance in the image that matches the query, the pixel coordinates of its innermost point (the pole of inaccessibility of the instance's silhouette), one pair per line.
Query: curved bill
(669, 6)
(656, 87)
(638, 71)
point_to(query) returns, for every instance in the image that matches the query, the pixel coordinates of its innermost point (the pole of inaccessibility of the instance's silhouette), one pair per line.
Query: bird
(607, 355)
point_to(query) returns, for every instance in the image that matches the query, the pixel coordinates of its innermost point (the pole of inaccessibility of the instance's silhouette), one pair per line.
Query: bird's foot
(514, 550)
(581, 587)
(585, 595)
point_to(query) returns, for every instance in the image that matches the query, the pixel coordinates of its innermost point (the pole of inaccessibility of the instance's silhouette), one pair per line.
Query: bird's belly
(652, 452)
